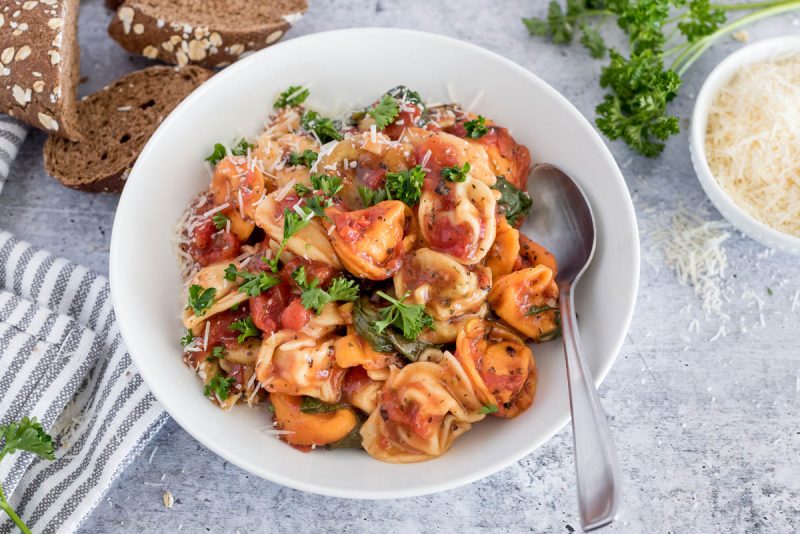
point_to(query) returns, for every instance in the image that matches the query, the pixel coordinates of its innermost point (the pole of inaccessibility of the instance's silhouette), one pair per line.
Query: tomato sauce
(315, 270)
(295, 316)
(266, 308)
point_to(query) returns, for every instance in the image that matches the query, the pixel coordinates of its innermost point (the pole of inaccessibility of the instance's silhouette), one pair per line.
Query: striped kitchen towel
(63, 361)
(12, 133)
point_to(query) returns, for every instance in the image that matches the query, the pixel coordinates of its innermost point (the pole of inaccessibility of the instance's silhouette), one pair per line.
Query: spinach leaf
(365, 317)
(514, 202)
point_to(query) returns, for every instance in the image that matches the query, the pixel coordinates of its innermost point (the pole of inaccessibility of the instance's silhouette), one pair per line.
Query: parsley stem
(12, 514)
(691, 54)
(746, 6)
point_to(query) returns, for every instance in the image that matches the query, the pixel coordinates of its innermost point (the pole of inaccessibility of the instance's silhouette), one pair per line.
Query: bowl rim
(117, 258)
(722, 73)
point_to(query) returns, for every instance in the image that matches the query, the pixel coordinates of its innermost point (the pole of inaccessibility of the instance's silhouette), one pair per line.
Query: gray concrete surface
(708, 431)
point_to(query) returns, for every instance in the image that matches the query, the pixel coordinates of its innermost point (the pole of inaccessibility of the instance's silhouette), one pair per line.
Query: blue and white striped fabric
(12, 134)
(62, 360)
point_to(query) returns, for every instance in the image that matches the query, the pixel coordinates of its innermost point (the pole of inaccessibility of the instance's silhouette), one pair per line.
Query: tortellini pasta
(371, 242)
(528, 301)
(296, 364)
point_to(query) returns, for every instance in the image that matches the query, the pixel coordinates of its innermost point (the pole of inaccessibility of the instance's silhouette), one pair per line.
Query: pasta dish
(362, 279)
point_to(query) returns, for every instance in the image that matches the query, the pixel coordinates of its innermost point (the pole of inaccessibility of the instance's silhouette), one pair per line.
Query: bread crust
(39, 64)
(117, 121)
(181, 43)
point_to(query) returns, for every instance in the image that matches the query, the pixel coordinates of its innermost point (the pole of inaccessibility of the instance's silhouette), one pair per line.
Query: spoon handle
(596, 465)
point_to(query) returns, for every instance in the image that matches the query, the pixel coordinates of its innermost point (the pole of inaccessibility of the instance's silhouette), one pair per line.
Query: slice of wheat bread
(39, 63)
(212, 33)
(117, 122)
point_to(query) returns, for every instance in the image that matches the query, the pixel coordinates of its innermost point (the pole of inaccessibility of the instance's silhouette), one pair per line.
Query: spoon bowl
(562, 221)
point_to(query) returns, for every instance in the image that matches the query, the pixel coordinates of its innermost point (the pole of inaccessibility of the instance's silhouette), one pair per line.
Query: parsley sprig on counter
(315, 298)
(26, 435)
(665, 37)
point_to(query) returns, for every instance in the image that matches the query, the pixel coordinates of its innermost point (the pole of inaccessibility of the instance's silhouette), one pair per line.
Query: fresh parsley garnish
(220, 220)
(200, 300)
(476, 128)
(487, 409)
(317, 206)
(293, 222)
(187, 339)
(514, 203)
(302, 190)
(293, 96)
(405, 186)
(384, 112)
(253, 284)
(219, 386)
(26, 435)
(241, 148)
(306, 158)
(370, 197)
(330, 185)
(315, 298)
(404, 94)
(456, 174)
(246, 327)
(217, 154)
(365, 320)
(411, 319)
(217, 353)
(326, 129)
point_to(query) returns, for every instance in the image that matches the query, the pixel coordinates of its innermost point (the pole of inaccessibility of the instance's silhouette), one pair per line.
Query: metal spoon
(563, 222)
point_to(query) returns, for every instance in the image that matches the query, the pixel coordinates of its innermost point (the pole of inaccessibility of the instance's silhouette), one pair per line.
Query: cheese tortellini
(359, 275)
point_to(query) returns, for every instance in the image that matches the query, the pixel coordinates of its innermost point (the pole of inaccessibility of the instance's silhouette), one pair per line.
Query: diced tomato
(408, 413)
(220, 333)
(294, 316)
(351, 225)
(355, 380)
(314, 270)
(211, 246)
(405, 119)
(266, 308)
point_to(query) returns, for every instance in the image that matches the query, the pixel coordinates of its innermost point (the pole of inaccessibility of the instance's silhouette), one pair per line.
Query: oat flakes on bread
(117, 121)
(212, 33)
(39, 64)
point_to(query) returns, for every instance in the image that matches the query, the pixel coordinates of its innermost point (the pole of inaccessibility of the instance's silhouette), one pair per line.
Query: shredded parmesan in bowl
(752, 141)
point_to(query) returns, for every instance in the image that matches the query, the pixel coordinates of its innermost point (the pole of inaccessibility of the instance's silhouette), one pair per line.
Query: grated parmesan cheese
(753, 141)
(693, 248)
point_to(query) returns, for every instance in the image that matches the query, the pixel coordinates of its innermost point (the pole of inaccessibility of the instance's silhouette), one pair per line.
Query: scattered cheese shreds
(693, 248)
(753, 141)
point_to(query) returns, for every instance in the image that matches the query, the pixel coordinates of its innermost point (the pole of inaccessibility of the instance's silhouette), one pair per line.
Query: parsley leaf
(365, 319)
(476, 128)
(187, 339)
(246, 327)
(455, 174)
(242, 147)
(292, 223)
(705, 20)
(326, 129)
(384, 112)
(200, 299)
(306, 158)
(404, 94)
(409, 318)
(514, 203)
(302, 190)
(217, 154)
(293, 96)
(219, 386)
(253, 284)
(593, 41)
(317, 206)
(220, 220)
(315, 298)
(487, 409)
(370, 197)
(330, 185)
(25, 435)
(405, 186)
(216, 353)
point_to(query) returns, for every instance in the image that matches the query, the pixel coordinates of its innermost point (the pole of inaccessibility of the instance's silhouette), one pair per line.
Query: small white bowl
(722, 73)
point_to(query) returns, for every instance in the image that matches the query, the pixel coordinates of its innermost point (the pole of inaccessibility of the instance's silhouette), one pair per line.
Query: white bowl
(722, 74)
(353, 66)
